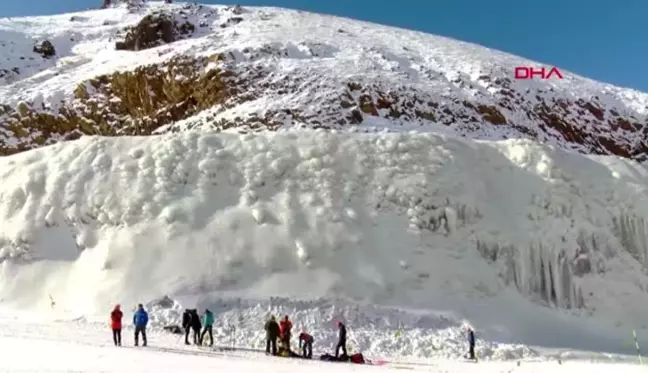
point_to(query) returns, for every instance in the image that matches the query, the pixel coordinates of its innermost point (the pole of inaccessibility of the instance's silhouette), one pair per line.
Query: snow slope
(530, 244)
(295, 69)
(64, 347)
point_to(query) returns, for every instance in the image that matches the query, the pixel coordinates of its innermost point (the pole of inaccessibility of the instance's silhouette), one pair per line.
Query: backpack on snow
(328, 357)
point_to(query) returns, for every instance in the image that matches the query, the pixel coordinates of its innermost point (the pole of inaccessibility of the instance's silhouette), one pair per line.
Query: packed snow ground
(411, 232)
(71, 346)
(44, 344)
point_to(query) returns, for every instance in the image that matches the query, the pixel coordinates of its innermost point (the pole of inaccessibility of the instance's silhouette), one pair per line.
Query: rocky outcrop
(45, 49)
(7, 73)
(154, 30)
(236, 9)
(154, 98)
(124, 103)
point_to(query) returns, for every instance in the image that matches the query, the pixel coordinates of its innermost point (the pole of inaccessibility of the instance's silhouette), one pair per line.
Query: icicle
(633, 233)
(567, 290)
(559, 280)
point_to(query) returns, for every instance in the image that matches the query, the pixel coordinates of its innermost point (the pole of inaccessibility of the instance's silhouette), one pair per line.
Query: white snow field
(53, 346)
(405, 236)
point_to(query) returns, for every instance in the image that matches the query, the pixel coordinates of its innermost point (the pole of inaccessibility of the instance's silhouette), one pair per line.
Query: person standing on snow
(471, 343)
(307, 349)
(140, 320)
(208, 321)
(272, 333)
(196, 325)
(116, 324)
(341, 340)
(186, 324)
(285, 328)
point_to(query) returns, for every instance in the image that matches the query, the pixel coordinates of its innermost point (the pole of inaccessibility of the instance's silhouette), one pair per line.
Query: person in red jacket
(307, 341)
(116, 324)
(285, 327)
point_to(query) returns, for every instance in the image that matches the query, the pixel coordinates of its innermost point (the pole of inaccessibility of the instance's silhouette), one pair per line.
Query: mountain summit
(153, 67)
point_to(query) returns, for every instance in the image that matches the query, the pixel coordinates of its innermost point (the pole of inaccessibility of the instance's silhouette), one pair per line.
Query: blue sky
(603, 39)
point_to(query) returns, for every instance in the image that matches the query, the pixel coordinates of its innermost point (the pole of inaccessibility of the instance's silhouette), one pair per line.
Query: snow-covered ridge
(488, 232)
(290, 69)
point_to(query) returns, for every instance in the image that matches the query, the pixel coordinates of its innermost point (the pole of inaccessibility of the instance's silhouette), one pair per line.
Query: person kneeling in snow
(307, 348)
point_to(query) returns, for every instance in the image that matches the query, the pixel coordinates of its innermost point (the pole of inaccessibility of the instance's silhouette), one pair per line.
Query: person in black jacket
(272, 333)
(196, 326)
(341, 340)
(186, 324)
(471, 343)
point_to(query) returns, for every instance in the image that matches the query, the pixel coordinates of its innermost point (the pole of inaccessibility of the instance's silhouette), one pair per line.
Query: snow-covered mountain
(406, 236)
(158, 67)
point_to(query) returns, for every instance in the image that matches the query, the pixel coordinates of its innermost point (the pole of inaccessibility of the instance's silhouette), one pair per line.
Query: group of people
(191, 322)
(140, 320)
(282, 331)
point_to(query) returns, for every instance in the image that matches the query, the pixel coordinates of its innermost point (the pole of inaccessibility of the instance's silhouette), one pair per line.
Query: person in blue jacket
(140, 319)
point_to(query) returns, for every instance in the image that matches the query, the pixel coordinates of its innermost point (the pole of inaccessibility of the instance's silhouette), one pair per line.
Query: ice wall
(409, 219)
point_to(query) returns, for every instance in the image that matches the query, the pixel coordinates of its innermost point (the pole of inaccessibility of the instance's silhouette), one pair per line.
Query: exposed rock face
(236, 9)
(154, 30)
(45, 49)
(130, 103)
(131, 4)
(9, 73)
(287, 79)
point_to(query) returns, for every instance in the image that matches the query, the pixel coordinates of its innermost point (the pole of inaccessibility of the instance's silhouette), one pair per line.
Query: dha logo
(528, 72)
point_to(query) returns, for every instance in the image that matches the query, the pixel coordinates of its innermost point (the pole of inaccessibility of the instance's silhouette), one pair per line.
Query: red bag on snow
(357, 358)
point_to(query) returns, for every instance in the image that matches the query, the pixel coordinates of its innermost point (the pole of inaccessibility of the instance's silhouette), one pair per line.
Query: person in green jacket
(208, 322)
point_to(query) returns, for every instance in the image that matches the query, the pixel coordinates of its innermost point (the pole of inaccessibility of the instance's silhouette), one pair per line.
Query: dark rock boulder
(45, 49)
(236, 9)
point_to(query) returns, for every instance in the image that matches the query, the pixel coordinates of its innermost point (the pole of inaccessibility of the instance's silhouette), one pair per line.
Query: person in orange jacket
(116, 324)
(285, 328)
